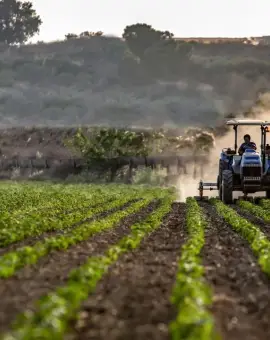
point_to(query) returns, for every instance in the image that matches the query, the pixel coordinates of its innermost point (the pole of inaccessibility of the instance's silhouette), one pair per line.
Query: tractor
(248, 173)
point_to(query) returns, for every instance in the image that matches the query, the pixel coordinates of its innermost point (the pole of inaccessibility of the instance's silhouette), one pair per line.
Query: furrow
(13, 261)
(264, 226)
(20, 291)
(135, 293)
(241, 302)
(99, 211)
(56, 309)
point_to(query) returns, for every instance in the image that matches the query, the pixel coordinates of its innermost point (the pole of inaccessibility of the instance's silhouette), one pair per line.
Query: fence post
(195, 170)
(179, 166)
(113, 169)
(130, 170)
(202, 172)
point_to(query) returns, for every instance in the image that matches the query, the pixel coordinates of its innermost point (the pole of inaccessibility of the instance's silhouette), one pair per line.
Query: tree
(18, 21)
(158, 52)
(88, 34)
(85, 34)
(103, 144)
(166, 58)
(140, 37)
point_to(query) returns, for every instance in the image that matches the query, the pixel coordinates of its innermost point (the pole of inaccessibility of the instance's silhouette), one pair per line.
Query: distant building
(265, 39)
(219, 40)
(211, 40)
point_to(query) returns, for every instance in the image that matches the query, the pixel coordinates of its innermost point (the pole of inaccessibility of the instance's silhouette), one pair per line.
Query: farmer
(247, 145)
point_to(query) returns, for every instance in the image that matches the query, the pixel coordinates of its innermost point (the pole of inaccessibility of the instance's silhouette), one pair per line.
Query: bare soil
(265, 227)
(132, 301)
(29, 284)
(50, 142)
(30, 241)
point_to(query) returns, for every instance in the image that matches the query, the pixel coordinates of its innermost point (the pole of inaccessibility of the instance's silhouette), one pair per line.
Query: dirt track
(132, 299)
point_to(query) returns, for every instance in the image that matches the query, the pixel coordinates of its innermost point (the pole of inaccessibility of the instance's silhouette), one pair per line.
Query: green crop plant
(258, 211)
(258, 242)
(191, 295)
(55, 310)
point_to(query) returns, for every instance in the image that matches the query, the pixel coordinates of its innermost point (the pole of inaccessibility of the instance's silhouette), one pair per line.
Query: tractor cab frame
(248, 173)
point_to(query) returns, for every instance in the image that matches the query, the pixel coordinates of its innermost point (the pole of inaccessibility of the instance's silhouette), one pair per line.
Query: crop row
(52, 204)
(50, 199)
(55, 310)
(20, 196)
(22, 223)
(265, 203)
(261, 212)
(17, 196)
(257, 240)
(69, 198)
(16, 228)
(191, 295)
(12, 261)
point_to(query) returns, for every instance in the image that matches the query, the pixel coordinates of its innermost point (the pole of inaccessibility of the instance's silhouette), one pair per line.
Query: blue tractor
(248, 173)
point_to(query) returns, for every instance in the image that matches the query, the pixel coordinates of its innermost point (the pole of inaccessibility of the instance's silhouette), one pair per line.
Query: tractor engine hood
(251, 167)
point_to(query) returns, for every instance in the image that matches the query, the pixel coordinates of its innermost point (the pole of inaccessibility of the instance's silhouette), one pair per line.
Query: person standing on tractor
(247, 145)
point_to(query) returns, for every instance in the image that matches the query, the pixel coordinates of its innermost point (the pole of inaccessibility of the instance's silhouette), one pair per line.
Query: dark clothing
(245, 146)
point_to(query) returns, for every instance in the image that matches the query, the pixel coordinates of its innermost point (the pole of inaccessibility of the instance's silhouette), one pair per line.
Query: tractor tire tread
(227, 187)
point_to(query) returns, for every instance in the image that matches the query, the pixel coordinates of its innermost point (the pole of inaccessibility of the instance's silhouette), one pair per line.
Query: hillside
(98, 81)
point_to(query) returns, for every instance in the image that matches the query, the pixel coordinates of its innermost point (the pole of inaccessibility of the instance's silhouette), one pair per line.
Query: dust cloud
(187, 185)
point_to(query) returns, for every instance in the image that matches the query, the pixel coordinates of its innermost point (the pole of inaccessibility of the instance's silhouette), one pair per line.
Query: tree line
(19, 22)
(157, 50)
(150, 53)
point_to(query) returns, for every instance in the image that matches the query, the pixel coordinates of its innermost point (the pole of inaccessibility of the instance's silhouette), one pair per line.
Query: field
(130, 262)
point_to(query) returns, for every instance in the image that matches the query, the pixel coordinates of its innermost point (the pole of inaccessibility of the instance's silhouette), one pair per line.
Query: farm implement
(248, 173)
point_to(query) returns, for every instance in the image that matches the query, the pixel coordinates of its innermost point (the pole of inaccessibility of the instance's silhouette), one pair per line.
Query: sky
(189, 18)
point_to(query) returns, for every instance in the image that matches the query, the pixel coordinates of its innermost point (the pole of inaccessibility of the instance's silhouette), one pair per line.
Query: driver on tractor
(247, 145)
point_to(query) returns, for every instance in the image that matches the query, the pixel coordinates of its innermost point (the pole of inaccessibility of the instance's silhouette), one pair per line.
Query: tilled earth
(132, 301)
(135, 293)
(241, 291)
(30, 283)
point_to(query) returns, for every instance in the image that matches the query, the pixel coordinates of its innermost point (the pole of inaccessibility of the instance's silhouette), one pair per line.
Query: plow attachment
(205, 186)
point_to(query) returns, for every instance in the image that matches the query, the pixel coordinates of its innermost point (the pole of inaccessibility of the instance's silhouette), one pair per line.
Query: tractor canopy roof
(254, 122)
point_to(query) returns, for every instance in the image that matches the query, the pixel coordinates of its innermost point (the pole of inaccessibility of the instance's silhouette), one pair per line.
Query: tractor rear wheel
(268, 194)
(227, 187)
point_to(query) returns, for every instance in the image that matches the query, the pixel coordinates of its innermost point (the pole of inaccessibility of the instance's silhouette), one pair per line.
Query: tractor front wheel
(227, 187)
